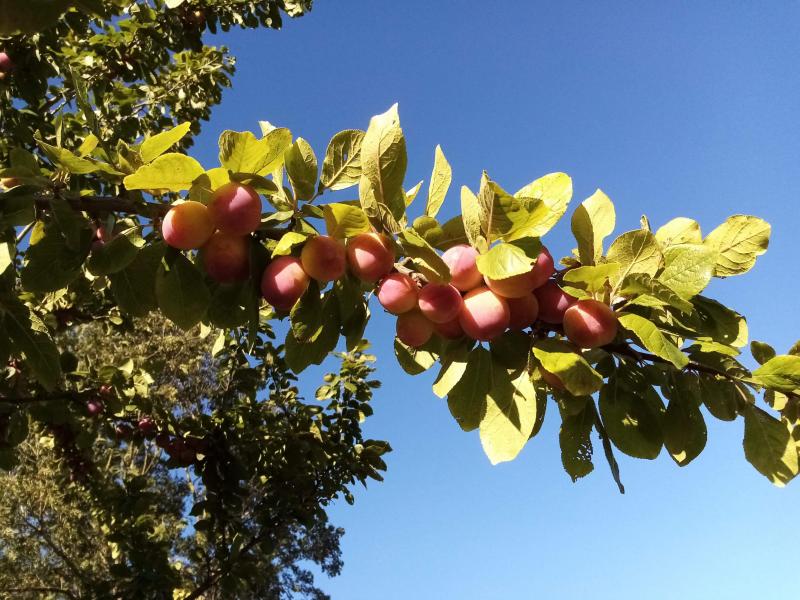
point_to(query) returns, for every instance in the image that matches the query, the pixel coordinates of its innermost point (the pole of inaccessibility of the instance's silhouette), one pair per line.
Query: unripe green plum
(370, 256)
(414, 329)
(485, 315)
(590, 324)
(440, 302)
(236, 208)
(524, 311)
(323, 258)
(553, 302)
(463, 268)
(226, 257)
(398, 293)
(522, 285)
(450, 331)
(187, 225)
(284, 281)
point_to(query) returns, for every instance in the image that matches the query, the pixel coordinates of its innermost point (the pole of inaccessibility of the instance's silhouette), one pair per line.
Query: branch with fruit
(621, 338)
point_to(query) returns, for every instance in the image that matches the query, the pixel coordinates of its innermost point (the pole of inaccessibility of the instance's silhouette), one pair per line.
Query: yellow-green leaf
(441, 177)
(781, 373)
(688, 268)
(345, 220)
(679, 231)
(504, 217)
(172, 172)
(562, 359)
(738, 241)
(426, 259)
(592, 221)
(637, 252)
(510, 414)
(508, 259)
(555, 192)
(341, 167)
(301, 167)
(470, 215)
(155, 146)
(651, 338)
(770, 447)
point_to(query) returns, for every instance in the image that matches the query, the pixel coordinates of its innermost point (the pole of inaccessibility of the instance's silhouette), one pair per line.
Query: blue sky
(673, 109)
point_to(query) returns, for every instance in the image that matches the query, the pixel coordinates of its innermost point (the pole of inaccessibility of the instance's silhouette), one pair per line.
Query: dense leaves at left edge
(672, 350)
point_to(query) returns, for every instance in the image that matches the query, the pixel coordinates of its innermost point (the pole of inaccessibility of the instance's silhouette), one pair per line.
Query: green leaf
(242, 152)
(632, 413)
(471, 218)
(134, 286)
(679, 231)
(720, 396)
(684, 427)
(592, 221)
(650, 337)
(504, 217)
(637, 252)
(383, 163)
(69, 161)
(300, 355)
(50, 264)
(738, 241)
(182, 293)
(88, 145)
(584, 282)
(574, 437)
(781, 373)
(561, 358)
(414, 360)
(425, 258)
(510, 415)
(454, 365)
(116, 254)
(467, 398)
(171, 172)
(769, 446)
(508, 259)
(306, 315)
(301, 167)
(555, 192)
(762, 351)
(688, 268)
(345, 220)
(341, 167)
(637, 285)
(155, 146)
(17, 208)
(29, 335)
(441, 177)
(8, 254)
(288, 241)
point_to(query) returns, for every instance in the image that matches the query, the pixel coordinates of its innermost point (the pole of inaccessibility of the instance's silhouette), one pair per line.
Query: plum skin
(440, 302)
(370, 256)
(398, 293)
(590, 324)
(464, 273)
(521, 285)
(226, 257)
(236, 208)
(187, 225)
(485, 315)
(553, 302)
(284, 281)
(323, 258)
(524, 311)
(414, 329)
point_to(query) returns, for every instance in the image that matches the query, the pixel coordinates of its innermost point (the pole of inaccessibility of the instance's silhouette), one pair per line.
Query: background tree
(256, 475)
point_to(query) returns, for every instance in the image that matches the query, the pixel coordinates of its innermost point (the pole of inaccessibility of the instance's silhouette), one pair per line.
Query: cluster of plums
(470, 305)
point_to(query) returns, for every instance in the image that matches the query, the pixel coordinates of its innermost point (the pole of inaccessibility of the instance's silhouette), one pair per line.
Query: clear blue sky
(673, 109)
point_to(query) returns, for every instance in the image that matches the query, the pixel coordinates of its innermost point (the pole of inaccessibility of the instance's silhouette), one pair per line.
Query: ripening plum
(440, 302)
(398, 293)
(463, 268)
(95, 407)
(323, 258)
(226, 257)
(524, 311)
(590, 324)
(370, 256)
(522, 285)
(187, 225)
(236, 208)
(485, 315)
(284, 282)
(553, 302)
(6, 65)
(414, 329)
(451, 330)
(551, 379)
